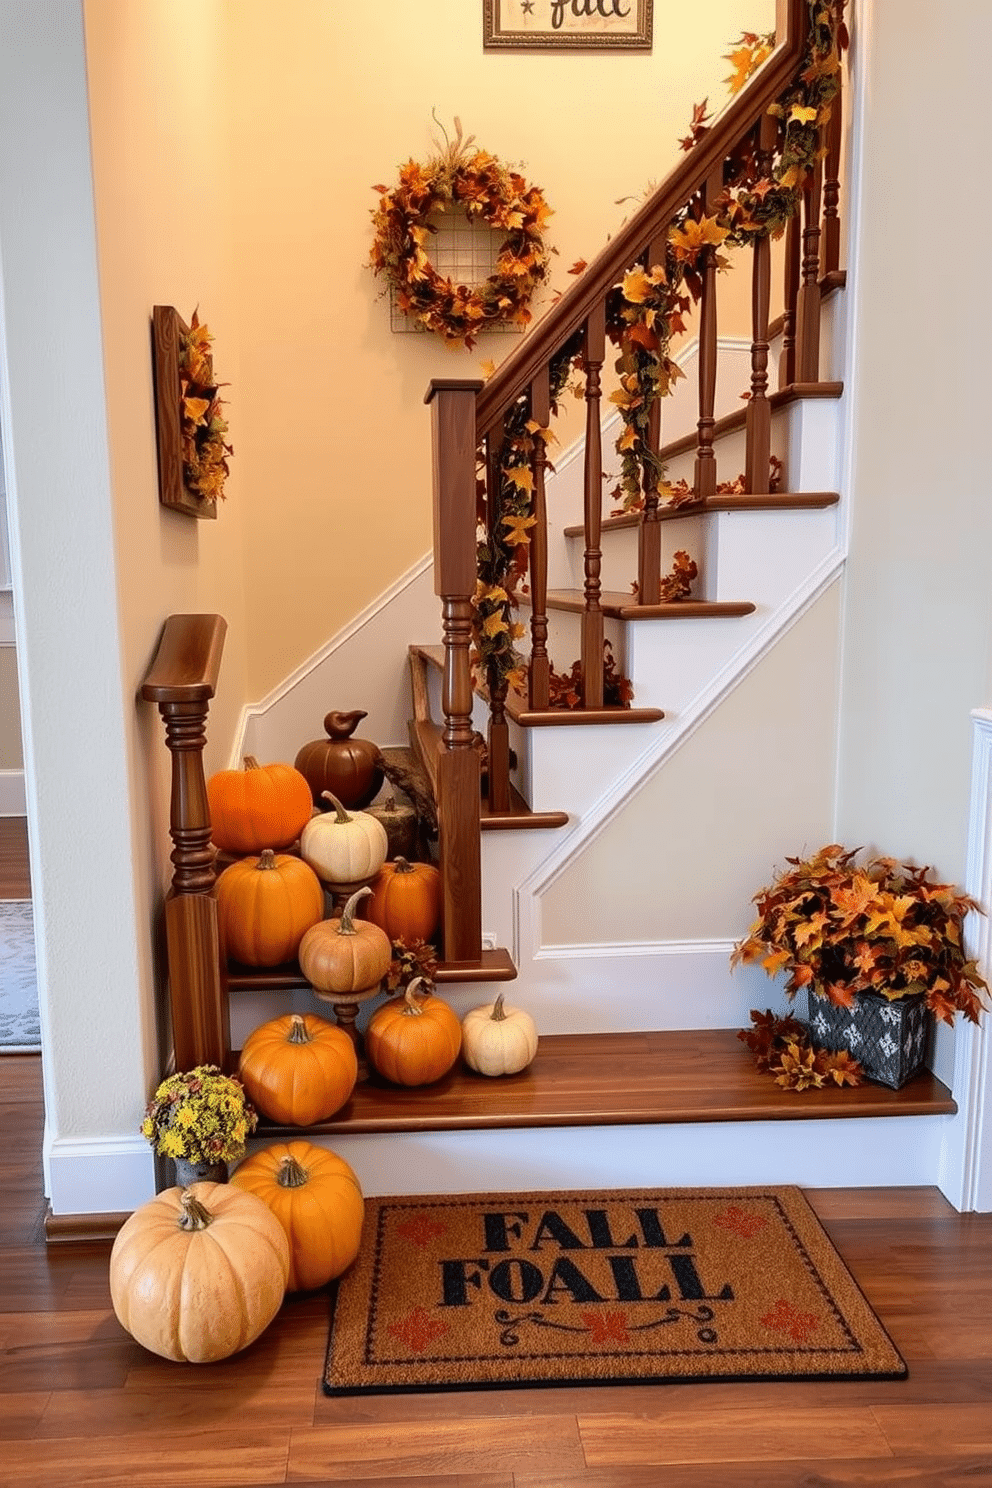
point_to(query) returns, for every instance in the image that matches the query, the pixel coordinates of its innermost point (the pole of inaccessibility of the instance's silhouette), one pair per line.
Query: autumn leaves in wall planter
(189, 419)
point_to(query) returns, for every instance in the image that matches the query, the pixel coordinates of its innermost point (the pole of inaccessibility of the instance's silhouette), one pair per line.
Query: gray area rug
(20, 1029)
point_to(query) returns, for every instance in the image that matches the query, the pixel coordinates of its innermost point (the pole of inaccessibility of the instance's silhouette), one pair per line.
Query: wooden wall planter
(167, 326)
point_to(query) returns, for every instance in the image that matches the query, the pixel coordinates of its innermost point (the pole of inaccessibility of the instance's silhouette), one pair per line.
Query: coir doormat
(486, 1290)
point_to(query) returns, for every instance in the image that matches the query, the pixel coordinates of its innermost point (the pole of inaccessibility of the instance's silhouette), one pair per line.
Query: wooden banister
(715, 192)
(181, 680)
(652, 220)
(453, 427)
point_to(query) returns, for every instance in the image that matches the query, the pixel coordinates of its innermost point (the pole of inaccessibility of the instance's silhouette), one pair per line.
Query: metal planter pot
(890, 1040)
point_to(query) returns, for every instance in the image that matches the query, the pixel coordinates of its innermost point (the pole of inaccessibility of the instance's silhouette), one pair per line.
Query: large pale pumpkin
(413, 1040)
(345, 955)
(344, 847)
(317, 1199)
(298, 1069)
(259, 806)
(405, 900)
(265, 904)
(196, 1274)
(498, 1040)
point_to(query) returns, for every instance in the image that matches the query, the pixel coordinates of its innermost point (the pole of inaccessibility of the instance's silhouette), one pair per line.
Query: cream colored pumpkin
(498, 1040)
(343, 847)
(197, 1273)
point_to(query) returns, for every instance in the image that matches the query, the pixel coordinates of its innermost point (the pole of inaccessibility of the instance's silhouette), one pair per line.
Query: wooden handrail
(651, 221)
(182, 679)
(497, 420)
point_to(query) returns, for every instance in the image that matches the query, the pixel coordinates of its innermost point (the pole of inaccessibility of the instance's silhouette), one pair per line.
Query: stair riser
(620, 547)
(831, 1154)
(565, 637)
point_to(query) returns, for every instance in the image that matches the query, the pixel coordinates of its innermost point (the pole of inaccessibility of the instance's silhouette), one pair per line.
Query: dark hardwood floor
(15, 881)
(82, 1404)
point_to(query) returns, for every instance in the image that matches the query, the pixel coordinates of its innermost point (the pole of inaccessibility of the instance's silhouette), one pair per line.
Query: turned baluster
(458, 785)
(498, 734)
(182, 680)
(704, 479)
(649, 534)
(831, 176)
(793, 263)
(759, 416)
(592, 615)
(540, 666)
(808, 303)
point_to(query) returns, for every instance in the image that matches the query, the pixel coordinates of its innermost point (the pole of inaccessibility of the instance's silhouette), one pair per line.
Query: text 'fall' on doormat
(492, 1290)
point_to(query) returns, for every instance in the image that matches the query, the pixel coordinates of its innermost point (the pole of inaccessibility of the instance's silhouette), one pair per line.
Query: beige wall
(751, 785)
(161, 165)
(918, 651)
(11, 753)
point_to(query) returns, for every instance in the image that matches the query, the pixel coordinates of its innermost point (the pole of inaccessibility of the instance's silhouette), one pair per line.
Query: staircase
(683, 1098)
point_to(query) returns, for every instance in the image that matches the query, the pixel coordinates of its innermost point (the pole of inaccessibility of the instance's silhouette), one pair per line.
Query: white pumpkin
(498, 1040)
(343, 847)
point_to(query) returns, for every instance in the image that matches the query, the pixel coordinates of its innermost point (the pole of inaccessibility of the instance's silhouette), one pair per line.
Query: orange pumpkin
(413, 1040)
(298, 1069)
(265, 904)
(342, 956)
(317, 1200)
(405, 900)
(259, 806)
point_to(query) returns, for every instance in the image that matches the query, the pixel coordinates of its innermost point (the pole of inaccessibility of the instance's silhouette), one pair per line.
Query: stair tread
(619, 606)
(736, 420)
(493, 966)
(730, 502)
(618, 1079)
(527, 717)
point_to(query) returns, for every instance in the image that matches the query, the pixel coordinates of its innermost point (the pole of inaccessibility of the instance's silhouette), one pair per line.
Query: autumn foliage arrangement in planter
(876, 946)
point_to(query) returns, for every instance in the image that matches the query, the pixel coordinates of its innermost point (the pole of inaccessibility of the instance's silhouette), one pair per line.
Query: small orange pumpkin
(317, 1199)
(298, 1069)
(405, 900)
(345, 955)
(413, 1040)
(265, 904)
(259, 806)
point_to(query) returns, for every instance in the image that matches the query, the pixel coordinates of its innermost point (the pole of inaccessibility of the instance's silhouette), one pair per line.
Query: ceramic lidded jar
(347, 767)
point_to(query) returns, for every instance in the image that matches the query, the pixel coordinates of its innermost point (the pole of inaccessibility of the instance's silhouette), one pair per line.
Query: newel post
(181, 680)
(453, 429)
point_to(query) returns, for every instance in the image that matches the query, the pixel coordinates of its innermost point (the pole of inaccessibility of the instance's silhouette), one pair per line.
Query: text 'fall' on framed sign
(544, 25)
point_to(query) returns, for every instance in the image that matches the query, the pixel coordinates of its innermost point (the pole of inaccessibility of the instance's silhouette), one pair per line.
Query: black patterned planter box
(888, 1039)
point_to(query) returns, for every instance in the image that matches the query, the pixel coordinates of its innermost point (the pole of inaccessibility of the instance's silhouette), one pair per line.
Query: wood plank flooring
(15, 880)
(81, 1403)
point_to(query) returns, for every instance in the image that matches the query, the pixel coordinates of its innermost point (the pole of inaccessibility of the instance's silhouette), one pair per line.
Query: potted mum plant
(201, 1119)
(878, 947)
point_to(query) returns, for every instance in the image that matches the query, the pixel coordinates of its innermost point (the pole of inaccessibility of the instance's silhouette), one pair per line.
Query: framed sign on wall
(552, 25)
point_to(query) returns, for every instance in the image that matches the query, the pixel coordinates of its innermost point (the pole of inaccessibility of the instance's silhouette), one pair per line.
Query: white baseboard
(13, 801)
(99, 1175)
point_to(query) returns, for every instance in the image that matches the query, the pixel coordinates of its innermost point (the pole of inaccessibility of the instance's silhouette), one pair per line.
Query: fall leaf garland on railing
(645, 311)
